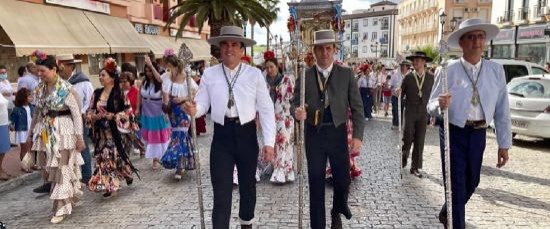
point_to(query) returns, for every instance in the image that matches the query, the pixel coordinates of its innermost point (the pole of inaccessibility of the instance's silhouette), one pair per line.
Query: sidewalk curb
(18, 181)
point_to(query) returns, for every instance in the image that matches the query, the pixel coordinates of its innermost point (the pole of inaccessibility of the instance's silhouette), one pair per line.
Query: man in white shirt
(476, 96)
(235, 92)
(396, 80)
(84, 88)
(29, 80)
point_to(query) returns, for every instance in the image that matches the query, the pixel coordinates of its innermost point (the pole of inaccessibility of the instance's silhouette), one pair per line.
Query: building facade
(370, 33)
(522, 35)
(419, 24)
(89, 29)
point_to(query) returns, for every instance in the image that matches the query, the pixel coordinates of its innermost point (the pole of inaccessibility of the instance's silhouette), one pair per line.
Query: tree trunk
(252, 23)
(267, 37)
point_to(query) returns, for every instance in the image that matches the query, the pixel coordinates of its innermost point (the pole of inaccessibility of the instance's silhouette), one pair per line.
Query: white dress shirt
(325, 72)
(250, 93)
(85, 90)
(371, 80)
(474, 113)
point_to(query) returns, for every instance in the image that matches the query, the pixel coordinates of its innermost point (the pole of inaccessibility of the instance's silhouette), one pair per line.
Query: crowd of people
(57, 114)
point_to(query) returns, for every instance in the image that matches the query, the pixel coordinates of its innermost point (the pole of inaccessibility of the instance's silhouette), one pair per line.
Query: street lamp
(453, 24)
(374, 48)
(442, 17)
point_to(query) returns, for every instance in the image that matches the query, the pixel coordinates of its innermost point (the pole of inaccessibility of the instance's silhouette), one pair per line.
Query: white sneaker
(57, 219)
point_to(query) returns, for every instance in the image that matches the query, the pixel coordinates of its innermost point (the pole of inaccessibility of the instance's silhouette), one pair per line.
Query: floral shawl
(50, 101)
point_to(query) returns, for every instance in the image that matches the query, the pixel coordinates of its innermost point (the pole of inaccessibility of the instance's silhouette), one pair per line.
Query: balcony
(523, 15)
(538, 13)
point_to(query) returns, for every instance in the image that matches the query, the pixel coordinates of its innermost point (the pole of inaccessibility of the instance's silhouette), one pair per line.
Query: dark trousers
(327, 142)
(233, 144)
(467, 146)
(86, 168)
(367, 102)
(395, 110)
(414, 131)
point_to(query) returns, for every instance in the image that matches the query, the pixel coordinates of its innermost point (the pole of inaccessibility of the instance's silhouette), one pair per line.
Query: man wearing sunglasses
(476, 96)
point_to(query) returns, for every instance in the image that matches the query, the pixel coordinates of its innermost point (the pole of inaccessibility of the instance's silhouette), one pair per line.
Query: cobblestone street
(517, 196)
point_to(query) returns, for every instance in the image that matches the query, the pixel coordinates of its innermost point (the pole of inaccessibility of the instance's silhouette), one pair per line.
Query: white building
(370, 33)
(522, 30)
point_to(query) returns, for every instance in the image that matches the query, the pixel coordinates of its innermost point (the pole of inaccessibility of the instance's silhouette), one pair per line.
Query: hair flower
(169, 52)
(268, 55)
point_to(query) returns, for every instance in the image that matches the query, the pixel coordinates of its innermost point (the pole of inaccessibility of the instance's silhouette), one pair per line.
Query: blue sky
(279, 27)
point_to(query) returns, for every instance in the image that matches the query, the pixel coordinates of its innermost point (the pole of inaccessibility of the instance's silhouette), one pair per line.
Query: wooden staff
(400, 124)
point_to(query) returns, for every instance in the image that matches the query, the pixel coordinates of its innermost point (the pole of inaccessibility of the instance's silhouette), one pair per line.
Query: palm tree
(273, 11)
(218, 13)
(430, 51)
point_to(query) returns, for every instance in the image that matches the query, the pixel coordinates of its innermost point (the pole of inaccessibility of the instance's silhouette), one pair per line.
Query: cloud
(279, 27)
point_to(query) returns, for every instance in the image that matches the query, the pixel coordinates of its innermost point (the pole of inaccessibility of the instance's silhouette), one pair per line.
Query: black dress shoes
(416, 173)
(44, 188)
(347, 213)
(404, 157)
(443, 216)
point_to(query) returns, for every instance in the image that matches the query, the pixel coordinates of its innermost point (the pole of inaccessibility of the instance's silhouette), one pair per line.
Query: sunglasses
(473, 37)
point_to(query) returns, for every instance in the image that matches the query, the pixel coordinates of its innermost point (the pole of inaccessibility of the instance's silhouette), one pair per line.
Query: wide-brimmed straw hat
(322, 37)
(67, 58)
(419, 54)
(233, 33)
(474, 24)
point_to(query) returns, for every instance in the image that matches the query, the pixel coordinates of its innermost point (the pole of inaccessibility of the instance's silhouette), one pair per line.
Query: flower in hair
(268, 55)
(169, 52)
(110, 64)
(38, 56)
(246, 59)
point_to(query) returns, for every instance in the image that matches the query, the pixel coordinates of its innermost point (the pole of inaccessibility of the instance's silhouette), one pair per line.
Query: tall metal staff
(400, 124)
(186, 55)
(297, 50)
(443, 50)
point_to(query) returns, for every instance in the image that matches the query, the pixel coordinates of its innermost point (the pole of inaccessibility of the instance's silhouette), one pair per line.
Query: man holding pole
(235, 92)
(476, 96)
(330, 90)
(396, 80)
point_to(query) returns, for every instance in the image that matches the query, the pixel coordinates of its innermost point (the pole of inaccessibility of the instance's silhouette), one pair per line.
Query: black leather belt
(152, 99)
(233, 120)
(476, 124)
(54, 113)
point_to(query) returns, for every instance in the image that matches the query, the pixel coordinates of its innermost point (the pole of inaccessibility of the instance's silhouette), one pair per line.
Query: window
(384, 38)
(355, 26)
(375, 21)
(365, 22)
(365, 49)
(538, 71)
(530, 89)
(513, 71)
(384, 23)
(365, 36)
(354, 51)
(348, 24)
(374, 36)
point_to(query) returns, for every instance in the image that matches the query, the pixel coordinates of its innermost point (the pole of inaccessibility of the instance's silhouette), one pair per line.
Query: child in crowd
(386, 94)
(21, 118)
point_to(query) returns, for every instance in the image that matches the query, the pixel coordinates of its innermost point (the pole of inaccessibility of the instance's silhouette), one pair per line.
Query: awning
(119, 33)
(199, 48)
(158, 44)
(54, 30)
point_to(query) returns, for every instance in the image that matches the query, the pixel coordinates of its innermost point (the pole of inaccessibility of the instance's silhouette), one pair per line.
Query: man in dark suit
(415, 91)
(330, 90)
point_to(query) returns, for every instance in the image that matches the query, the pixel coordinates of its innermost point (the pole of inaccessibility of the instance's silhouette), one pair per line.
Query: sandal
(156, 164)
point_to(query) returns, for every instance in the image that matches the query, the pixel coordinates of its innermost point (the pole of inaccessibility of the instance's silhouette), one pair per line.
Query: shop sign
(151, 29)
(505, 35)
(147, 29)
(533, 32)
(90, 5)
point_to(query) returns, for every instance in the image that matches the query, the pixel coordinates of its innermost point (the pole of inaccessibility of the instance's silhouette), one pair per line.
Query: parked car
(518, 68)
(529, 99)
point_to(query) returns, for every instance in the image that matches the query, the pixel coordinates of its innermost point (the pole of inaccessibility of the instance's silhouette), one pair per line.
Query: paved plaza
(517, 196)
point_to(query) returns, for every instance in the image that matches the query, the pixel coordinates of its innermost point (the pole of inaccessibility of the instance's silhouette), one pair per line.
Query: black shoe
(416, 173)
(44, 188)
(336, 221)
(443, 216)
(347, 213)
(129, 181)
(404, 157)
(246, 226)
(107, 195)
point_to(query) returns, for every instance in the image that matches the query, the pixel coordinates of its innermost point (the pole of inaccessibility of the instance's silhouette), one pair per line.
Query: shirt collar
(232, 71)
(326, 71)
(469, 65)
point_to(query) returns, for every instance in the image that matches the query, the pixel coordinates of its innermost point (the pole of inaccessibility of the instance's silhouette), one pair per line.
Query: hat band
(232, 35)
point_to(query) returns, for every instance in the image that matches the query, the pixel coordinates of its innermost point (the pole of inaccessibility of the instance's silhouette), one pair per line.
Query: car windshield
(530, 88)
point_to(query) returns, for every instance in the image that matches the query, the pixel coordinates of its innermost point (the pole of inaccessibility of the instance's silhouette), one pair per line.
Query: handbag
(166, 108)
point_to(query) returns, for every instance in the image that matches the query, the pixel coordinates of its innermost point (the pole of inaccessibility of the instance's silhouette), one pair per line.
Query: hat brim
(411, 58)
(326, 41)
(491, 31)
(70, 61)
(216, 40)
